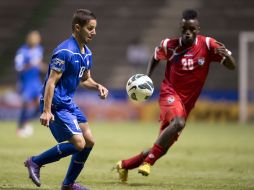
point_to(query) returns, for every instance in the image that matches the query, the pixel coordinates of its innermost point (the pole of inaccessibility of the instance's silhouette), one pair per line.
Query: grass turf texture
(206, 156)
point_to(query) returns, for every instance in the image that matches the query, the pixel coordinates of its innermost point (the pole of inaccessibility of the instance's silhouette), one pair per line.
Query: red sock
(134, 161)
(156, 152)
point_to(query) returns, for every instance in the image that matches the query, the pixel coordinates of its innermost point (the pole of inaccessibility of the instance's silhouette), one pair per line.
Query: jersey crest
(201, 61)
(171, 99)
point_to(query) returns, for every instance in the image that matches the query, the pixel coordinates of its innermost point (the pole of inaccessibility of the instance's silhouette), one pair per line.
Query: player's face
(33, 38)
(87, 32)
(190, 29)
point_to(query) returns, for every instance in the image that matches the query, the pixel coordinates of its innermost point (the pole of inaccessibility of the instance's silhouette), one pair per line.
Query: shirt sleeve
(19, 61)
(212, 45)
(59, 61)
(160, 52)
(90, 62)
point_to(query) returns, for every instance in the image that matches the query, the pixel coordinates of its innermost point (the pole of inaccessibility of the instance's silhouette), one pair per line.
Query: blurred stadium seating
(118, 23)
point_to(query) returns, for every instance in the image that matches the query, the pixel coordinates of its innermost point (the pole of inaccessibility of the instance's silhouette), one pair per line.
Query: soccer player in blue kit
(70, 66)
(29, 64)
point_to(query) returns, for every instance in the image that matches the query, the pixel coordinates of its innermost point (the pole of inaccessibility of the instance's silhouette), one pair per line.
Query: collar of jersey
(86, 48)
(180, 41)
(88, 53)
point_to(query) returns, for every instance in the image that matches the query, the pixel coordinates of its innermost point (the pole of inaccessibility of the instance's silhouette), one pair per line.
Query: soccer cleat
(74, 186)
(25, 131)
(21, 133)
(123, 173)
(34, 171)
(28, 130)
(144, 169)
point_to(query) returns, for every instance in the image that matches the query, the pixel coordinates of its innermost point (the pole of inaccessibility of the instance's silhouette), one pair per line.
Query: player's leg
(135, 161)
(54, 154)
(35, 108)
(23, 114)
(165, 140)
(78, 159)
(28, 109)
(24, 129)
(173, 117)
(123, 166)
(62, 133)
(63, 128)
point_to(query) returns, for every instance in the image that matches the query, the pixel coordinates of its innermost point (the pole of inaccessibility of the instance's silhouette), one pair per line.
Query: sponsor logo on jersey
(171, 99)
(58, 61)
(188, 55)
(201, 61)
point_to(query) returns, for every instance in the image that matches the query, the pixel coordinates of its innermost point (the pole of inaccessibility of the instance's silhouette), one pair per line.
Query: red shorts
(170, 107)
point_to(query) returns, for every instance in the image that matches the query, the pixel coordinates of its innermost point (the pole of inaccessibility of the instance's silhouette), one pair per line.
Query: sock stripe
(58, 149)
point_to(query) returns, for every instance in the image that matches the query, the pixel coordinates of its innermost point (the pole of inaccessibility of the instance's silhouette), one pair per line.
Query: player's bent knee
(78, 142)
(79, 146)
(179, 124)
(90, 143)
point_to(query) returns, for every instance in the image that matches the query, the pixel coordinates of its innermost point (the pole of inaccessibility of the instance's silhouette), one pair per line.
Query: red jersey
(186, 68)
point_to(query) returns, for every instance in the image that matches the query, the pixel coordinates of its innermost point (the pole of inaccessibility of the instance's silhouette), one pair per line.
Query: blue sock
(54, 154)
(77, 163)
(22, 117)
(34, 113)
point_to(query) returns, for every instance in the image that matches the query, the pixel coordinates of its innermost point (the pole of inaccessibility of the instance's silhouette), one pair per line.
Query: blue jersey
(27, 63)
(68, 60)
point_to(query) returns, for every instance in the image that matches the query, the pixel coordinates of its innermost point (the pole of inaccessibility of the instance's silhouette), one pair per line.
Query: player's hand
(103, 91)
(221, 50)
(46, 117)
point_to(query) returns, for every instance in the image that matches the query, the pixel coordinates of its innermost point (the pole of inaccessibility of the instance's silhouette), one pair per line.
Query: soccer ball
(139, 87)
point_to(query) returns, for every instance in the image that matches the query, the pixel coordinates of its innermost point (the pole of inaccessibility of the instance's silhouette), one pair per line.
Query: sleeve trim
(165, 45)
(207, 40)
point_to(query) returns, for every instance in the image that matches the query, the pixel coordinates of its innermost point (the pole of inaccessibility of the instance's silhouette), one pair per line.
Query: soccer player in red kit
(188, 59)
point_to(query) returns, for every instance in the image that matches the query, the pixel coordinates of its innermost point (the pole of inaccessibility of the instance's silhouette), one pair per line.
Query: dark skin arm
(229, 61)
(153, 63)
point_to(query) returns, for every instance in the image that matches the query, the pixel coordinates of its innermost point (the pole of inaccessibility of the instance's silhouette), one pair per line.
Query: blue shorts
(29, 94)
(30, 91)
(66, 123)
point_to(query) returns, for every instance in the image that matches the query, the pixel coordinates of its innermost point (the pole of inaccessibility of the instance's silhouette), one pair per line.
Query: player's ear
(77, 27)
(197, 29)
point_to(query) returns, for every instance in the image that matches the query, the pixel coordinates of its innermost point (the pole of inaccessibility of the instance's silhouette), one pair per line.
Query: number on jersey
(188, 64)
(81, 72)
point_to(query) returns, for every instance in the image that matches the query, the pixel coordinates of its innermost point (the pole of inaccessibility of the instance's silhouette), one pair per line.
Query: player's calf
(178, 124)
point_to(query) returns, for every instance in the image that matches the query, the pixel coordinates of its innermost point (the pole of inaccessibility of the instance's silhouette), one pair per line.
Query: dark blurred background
(119, 22)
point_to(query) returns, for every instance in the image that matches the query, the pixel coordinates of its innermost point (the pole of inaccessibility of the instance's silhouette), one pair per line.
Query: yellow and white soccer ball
(139, 87)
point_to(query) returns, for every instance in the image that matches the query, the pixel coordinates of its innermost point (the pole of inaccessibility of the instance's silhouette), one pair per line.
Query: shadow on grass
(147, 185)
(131, 184)
(21, 188)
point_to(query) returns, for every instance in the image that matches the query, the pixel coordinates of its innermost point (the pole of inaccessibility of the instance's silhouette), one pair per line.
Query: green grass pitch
(206, 157)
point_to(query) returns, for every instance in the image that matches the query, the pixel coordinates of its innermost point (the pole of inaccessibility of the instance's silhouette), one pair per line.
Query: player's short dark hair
(81, 17)
(190, 14)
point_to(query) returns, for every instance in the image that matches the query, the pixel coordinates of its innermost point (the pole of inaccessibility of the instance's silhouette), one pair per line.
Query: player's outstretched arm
(88, 82)
(151, 66)
(228, 60)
